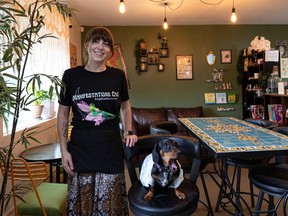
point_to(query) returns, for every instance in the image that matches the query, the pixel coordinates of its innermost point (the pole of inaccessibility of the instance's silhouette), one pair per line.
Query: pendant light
(122, 8)
(233, 16)
(165, 24)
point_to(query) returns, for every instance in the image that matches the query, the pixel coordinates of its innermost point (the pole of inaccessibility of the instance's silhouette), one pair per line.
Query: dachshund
(161, 168)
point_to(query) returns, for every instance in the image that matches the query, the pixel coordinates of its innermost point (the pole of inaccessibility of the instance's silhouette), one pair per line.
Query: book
(275, 113)
(210, 98)
(221, 98)
(231, 98)
(257, 111)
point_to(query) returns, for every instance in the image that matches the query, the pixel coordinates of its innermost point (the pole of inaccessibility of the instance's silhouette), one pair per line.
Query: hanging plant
(139, 46)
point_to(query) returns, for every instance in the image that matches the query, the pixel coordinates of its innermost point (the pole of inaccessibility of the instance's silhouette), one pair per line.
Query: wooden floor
(213, 193)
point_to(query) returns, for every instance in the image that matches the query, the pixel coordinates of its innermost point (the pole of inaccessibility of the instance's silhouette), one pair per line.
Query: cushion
(142, 118)
(53, 197)
(165, 201)
(175, 113)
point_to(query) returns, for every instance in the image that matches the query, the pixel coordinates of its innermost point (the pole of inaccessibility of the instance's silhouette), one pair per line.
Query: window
(49, 57)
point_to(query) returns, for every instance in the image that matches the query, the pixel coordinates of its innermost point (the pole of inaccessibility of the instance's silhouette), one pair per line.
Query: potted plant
(16, 47)
(37, 107)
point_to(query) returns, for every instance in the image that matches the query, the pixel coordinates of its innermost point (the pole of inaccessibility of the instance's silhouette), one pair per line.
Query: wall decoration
(164, 52)
(210, 98)
(284, 67)
(161, 67)
(184, 67)
(73, 55)
(153, 58)
(117, 61)
(226, 56)
(221, 98)
(282, 47)
(231, 98)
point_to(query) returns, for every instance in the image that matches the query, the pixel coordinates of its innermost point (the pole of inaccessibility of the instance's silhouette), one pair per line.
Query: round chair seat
(270, 178)
(165, 202)
(244, 163)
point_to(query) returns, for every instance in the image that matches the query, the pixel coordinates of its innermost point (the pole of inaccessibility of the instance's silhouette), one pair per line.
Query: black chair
(262, 123)
(283, 130)
(271, 179)
(240, 164)
(164, 202)
(163, 127)
(168, 127)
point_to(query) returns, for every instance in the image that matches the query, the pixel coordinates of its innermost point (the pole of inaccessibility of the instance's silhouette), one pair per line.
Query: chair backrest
(281, 129)
(30, 172)
(163, 127)
(145, 144)
(262, 123)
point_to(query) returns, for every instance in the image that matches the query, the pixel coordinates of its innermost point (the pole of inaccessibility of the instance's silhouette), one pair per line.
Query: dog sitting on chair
(161, 168)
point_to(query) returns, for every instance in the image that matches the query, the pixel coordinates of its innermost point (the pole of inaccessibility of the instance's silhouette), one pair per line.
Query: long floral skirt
(97, 194)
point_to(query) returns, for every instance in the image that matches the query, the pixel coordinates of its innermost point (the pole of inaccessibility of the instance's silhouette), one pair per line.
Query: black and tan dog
(161, 168)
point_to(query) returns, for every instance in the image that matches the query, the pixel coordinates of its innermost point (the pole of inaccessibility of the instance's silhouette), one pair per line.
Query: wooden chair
(42, 198)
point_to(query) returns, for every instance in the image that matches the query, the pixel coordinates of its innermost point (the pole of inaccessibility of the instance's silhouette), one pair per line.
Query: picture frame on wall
(153, 58)
(184, 67)
(226, 56)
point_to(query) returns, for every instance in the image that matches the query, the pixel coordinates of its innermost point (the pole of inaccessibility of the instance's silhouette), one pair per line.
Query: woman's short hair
(98, 33)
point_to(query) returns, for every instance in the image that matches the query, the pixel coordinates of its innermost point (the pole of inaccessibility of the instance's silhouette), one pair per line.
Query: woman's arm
(62, 129)
(126, 116)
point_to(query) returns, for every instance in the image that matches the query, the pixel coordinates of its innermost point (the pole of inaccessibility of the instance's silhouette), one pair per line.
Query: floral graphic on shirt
(92, 113)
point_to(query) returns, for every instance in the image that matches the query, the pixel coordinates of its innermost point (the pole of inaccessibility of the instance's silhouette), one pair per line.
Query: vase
(36, 111)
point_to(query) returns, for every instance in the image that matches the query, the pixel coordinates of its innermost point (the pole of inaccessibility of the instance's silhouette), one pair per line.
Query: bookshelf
(277, 99)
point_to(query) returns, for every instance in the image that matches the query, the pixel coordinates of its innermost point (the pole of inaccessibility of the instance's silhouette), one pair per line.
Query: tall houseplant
(16, 47)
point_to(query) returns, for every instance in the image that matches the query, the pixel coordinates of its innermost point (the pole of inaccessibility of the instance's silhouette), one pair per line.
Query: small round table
(48, 153)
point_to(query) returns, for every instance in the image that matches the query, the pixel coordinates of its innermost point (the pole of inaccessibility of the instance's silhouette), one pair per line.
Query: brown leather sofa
(142, 118)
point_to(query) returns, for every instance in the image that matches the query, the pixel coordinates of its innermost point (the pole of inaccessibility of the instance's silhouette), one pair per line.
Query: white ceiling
(192, 12)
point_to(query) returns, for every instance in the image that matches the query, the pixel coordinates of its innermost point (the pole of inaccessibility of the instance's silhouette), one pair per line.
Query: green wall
(161, 89)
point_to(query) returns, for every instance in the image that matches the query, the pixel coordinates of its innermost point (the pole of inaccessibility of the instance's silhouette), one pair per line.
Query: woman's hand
(130, 140)
(67, 163)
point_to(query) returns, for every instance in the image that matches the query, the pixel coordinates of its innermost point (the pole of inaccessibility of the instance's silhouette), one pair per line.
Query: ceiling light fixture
(165, 24)
(122, 8)
(233, 16)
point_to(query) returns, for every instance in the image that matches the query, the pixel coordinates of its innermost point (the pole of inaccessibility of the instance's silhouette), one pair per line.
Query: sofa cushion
(175, 113)
(142, 118)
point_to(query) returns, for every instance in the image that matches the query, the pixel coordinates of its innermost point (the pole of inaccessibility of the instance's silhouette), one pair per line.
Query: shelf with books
(270, 100)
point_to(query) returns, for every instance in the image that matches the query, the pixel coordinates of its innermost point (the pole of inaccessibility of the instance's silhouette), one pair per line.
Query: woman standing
(93, 159)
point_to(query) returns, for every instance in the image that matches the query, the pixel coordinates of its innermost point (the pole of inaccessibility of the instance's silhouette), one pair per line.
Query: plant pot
(49, 109)
(36, 111)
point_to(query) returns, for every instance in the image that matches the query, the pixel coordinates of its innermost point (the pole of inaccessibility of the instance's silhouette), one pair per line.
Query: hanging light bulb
(165, 24)
(122, 8)
(233, 16)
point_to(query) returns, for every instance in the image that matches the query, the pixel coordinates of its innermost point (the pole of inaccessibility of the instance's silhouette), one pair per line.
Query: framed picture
(231, 98)
(184, 67)
(153, 58)
(221, 98)
(226, 56)
(143, 67)
(143, 59)
(210, 98)
(164, 52)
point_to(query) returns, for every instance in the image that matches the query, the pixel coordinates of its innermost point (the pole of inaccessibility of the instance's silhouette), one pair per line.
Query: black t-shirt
(96, 101)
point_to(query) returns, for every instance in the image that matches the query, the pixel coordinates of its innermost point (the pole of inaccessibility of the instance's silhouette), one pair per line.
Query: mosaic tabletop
(227, 136)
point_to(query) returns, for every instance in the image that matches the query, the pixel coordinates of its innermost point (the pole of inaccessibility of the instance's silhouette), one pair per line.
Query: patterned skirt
(97, 194)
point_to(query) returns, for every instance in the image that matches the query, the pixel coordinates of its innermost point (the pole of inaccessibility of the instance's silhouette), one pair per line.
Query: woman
(93, 159)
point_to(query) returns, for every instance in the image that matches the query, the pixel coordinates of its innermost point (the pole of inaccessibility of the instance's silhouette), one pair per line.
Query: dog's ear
(155, 153)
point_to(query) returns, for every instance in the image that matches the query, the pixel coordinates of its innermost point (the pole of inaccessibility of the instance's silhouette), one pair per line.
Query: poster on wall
(117, 61)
